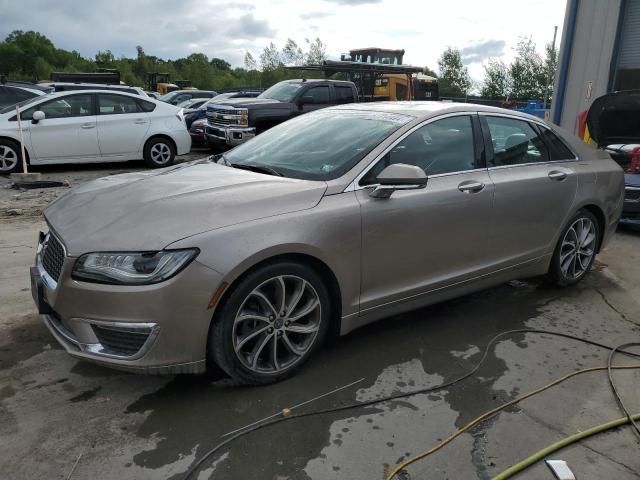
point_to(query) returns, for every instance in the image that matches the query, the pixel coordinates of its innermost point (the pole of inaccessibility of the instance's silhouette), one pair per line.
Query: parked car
(196, 131)
(92, 126)
(201, 112)
(154, 95)
(614, 123)
(319, 225)
(193, 104)
(234, 121)
(12, 93)
(179, 96)
(68, 87)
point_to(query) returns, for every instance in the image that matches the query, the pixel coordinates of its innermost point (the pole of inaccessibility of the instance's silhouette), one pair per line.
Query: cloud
(314, 15)
(354, 2)
(247, 26)
(479, 52)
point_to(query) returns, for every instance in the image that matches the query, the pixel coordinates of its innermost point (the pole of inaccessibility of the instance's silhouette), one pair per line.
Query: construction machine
(161, 83)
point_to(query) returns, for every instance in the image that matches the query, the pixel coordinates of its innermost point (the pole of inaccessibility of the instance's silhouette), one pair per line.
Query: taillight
(180, 115)
(634, 164)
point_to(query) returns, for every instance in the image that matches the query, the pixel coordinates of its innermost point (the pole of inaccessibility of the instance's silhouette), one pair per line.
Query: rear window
(344, 94)
(557, 149)
(146, 106)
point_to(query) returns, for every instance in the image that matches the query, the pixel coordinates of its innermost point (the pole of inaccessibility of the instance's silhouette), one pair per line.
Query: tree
(497, 80)
(292, 54)
(428, 71)
(527, 71)
(454, 79)
(270, 58)
(220, 64)
(550, 66)
(317, 52)
(250, 62)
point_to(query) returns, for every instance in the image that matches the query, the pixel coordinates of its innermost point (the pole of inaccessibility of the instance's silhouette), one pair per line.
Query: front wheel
(270, 324)
(159, 152)
(576, 249)
(10, 157)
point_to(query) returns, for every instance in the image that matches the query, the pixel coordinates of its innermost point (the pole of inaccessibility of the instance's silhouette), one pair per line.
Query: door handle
(87, 126)
(140, 121)
(471, 187)
(557, 175)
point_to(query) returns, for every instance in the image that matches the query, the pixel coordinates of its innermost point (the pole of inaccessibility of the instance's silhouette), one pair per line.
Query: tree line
(32, 56)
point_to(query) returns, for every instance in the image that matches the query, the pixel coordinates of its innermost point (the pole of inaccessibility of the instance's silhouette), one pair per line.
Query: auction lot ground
(54, 409)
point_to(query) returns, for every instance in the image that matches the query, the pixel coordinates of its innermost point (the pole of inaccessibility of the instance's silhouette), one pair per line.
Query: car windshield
(283, 91)
(322, 145)
(21, 104)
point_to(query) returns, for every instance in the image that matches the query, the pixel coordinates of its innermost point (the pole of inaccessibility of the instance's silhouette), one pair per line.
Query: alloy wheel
(8, 158)
(276, 324)
(578, 248)
(160, 153)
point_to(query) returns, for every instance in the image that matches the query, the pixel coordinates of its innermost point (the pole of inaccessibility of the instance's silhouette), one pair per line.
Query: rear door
(534, 190)
(68, 132)
(122, 125)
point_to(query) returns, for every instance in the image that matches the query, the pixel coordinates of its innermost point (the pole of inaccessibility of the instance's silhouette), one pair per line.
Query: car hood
(150, 210)
(615, 118)
(246, 102)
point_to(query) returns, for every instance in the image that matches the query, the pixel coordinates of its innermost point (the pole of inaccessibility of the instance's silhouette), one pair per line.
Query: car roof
(427, 109)
(316, 80)
(66, 93)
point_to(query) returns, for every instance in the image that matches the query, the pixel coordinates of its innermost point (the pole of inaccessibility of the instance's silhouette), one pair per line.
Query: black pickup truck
(234, 121)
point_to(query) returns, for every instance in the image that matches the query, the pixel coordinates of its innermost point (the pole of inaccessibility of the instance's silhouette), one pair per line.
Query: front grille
(632, 195)
(53, 257)
(212, 116)
(120, 342)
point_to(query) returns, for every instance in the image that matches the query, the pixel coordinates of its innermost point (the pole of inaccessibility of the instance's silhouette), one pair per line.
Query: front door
(421, 240)
(534, 190)
(315, 98)
(68, 131)
(122, 126)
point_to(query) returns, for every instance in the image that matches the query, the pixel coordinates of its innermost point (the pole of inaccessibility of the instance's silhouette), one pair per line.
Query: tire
(246, 331)
(10, 157)
(568, 267)
(159, 152)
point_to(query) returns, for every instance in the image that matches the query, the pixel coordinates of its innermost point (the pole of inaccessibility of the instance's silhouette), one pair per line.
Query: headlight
(244, 116)
(131, 268)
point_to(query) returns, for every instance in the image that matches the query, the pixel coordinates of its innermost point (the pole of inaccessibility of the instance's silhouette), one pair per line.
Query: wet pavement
(54, 409)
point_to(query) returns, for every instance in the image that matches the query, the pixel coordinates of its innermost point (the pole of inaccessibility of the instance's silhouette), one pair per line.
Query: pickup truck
(234, 121)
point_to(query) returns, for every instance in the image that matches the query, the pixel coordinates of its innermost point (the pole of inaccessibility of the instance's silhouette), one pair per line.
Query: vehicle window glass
(443, 146)
(146, 106)
(65, 107)
(320, 95)
(5, 98)
(515, 142)
(557, 149)
(283, 91)
(111, 104)
(321, 145)
(344, 94)
(181, 98)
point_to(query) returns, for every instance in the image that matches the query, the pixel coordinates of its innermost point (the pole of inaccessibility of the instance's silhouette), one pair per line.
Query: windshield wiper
(257, 168)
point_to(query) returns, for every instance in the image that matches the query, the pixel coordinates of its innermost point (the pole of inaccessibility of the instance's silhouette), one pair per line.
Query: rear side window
(344, 94)
(557, 149)
(146, 106)
(117, 104)
(515, 142)
(319, 94)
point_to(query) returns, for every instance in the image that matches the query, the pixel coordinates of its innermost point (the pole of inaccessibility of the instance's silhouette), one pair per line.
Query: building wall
(587, 75)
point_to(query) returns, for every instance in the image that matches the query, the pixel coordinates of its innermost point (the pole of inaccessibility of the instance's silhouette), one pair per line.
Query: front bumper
(631, 207)
(227, 134)
(160, 328)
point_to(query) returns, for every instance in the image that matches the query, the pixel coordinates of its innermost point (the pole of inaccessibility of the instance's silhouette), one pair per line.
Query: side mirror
(399, 176)
(306, 100)
(37, 116)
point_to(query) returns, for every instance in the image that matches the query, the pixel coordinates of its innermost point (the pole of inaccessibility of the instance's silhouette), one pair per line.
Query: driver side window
(443, 146)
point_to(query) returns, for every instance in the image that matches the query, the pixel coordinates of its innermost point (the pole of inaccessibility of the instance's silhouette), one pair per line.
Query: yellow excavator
(160, 82)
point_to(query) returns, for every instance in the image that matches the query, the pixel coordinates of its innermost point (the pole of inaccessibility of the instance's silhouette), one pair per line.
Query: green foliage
(428, 71)
(32, 56)
(454, 77)
(497, 80)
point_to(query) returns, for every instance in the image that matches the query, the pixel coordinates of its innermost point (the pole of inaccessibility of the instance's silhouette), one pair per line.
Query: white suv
(92, 126)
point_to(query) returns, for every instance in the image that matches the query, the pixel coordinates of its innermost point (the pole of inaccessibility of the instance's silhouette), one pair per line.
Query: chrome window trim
(541, 124)
(530, 164)
(355, 184)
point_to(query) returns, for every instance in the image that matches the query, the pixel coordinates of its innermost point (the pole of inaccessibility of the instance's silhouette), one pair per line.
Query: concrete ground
(55, 410)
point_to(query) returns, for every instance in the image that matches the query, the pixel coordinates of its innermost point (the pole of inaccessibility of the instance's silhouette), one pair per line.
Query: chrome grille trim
(53, 254)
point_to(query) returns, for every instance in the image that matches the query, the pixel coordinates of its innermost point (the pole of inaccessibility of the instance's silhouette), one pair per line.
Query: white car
(92, 126)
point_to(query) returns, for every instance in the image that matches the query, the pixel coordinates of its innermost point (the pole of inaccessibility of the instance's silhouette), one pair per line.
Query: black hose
(396, 396)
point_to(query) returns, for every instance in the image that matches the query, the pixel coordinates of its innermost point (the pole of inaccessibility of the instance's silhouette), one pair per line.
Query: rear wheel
(576, 249)
(270, 324)
(159, 152)
(10, 158)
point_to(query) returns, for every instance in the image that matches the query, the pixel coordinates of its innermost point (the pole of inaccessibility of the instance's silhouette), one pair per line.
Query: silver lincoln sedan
(250, 259)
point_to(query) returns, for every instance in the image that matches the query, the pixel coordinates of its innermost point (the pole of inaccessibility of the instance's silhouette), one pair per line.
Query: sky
(171, 29)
